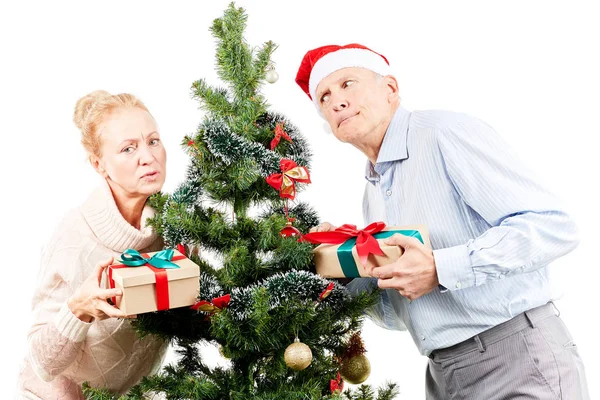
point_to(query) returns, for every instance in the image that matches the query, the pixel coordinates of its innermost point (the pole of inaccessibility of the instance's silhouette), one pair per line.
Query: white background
(528, 68)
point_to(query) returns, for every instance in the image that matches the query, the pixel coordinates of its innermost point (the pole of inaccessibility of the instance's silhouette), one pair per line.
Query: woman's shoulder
(71, 235)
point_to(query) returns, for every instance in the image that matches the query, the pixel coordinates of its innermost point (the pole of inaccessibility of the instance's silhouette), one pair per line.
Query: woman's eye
(128, 150)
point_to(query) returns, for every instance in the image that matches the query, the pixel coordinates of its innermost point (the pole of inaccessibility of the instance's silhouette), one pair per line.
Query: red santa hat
(322, 61)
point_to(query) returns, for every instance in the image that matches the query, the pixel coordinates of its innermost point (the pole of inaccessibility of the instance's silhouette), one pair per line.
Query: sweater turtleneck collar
(104, 218)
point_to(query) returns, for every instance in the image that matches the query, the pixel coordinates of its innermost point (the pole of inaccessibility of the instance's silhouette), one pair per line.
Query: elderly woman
(77, 335)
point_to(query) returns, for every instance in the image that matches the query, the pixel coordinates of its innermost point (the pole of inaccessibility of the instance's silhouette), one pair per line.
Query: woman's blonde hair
(93, 108)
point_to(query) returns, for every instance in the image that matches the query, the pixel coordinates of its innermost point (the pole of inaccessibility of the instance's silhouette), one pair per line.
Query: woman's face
(133, 159)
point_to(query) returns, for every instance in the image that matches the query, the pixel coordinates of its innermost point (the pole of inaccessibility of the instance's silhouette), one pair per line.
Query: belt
(527, 319)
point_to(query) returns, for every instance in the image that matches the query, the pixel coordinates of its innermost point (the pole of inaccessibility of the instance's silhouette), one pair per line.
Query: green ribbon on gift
(346, 258)
(161, 259)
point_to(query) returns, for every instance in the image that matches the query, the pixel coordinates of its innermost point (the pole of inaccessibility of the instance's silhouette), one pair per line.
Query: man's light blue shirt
(493, 227)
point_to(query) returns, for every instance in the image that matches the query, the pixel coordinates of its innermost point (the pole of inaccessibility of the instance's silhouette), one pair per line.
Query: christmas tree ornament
(213, 306)
(290, 231)
(279, 133)
(285, 182)
(355, 367)
(336, 385)
(327, 291)
(297, 355)
(271, 75)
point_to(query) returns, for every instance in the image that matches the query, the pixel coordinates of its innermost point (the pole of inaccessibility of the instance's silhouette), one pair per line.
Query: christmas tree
(287, 332)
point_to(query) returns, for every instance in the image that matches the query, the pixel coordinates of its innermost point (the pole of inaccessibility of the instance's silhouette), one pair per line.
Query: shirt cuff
(70, 326)
(453, 266)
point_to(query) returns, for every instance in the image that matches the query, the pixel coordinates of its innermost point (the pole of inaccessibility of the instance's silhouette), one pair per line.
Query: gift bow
(157, 263)
(279, 133)
(365, 242)
(162, 259)
(286, 181)
(217, 304)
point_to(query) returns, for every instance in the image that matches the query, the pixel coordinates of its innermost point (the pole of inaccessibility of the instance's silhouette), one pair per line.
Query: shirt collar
(393, 147)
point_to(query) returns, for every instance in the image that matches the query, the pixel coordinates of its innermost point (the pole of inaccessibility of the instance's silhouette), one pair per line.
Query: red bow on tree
(365, 242)
(336, 385)
(286, 181)
(279, 133)
(216, 305)
(326, 292)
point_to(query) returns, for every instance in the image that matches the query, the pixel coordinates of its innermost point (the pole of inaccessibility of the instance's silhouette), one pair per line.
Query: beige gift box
(328, 263)
(139, 286)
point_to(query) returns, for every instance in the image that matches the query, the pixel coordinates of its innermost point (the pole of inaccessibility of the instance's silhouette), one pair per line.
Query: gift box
(154, 281)
(338, 254)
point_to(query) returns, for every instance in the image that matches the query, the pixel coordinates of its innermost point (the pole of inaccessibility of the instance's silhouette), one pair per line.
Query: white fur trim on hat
(345, 58)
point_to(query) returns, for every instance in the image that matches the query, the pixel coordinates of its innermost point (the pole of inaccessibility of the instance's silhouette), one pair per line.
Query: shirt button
(388, 192)
(502, 276)
(458, 285)
(422, 337)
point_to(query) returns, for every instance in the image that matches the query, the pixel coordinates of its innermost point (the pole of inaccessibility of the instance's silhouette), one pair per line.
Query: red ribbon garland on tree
(365, 242)
(285, 182)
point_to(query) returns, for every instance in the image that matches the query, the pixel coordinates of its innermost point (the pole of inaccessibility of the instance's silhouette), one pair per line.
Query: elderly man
(479, 304)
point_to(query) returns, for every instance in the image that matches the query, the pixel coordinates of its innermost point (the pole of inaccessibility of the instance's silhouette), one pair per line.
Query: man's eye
(154, 142)
(348, 83)
(324, 98)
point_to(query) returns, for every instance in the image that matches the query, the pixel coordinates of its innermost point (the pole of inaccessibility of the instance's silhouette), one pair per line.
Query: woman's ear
(97, 164)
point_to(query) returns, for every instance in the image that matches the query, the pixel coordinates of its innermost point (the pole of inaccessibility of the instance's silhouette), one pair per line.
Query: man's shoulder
(439, 119)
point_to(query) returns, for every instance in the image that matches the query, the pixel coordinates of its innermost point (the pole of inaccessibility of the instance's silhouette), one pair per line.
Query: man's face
(355, 102)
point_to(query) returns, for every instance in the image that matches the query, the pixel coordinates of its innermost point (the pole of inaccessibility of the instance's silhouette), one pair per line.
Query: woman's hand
(89, 301)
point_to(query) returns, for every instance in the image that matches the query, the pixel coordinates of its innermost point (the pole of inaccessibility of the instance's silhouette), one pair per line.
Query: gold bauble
(356, 369)
(297, 356)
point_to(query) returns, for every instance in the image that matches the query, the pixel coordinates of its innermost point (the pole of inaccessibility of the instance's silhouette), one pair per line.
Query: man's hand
(324, 227)
(413, 274)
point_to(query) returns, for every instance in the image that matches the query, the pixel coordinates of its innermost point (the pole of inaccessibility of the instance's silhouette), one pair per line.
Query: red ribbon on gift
(279, 133)
(365, 242)
(285, 182)
(161, 279)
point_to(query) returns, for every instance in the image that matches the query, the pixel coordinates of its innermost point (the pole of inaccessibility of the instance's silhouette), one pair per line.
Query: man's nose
(340, 104)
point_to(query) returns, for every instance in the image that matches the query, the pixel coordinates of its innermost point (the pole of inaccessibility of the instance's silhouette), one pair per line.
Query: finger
(401, 240)
(101, 266)
(326, 227)
(384, 271)
(104, 294)
(111, 311)
(392, 283)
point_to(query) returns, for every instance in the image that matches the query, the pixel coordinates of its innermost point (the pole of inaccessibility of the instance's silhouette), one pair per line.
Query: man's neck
(372, 146)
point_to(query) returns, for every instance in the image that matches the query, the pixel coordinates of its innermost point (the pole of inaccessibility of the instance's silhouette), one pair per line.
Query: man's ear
(97, 164)
(391, 85)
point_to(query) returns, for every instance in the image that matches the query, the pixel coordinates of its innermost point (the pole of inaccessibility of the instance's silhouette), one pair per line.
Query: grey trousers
(532, 356)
